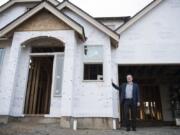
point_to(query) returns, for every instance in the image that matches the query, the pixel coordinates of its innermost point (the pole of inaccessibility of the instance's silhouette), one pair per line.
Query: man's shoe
(127, 129)
(134, 129)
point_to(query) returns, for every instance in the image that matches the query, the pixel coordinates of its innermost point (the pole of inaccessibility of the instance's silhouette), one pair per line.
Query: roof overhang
(48, 6)
(112, 34)
(12, 2)
(138, 16)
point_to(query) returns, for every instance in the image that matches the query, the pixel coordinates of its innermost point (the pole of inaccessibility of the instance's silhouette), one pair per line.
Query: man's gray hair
(129, 75)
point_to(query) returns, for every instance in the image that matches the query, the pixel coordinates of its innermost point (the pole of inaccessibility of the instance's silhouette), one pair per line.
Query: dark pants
(130, 105)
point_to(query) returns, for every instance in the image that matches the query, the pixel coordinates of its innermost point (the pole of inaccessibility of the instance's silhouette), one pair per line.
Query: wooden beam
(35, 95)
(28, 89)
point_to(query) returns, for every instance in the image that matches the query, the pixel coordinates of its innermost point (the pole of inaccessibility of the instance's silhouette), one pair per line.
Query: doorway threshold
(34, 115)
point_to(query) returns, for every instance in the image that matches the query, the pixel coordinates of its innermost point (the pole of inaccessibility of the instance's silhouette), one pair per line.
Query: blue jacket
(122, 92)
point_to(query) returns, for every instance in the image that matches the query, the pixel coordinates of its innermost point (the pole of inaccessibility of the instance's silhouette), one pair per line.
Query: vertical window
(2, 52)
(93, 62)
(59, 60)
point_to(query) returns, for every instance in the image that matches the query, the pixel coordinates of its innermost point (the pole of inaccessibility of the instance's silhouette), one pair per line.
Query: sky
(108, 8)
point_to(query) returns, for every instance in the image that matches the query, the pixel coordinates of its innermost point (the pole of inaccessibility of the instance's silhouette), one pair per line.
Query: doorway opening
(45, 70)
(155, 82)
(38, 93)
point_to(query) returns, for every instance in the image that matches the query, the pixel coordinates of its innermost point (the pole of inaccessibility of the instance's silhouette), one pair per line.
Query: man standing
(130, 98)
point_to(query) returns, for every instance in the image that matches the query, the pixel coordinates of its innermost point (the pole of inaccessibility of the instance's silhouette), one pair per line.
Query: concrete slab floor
(53, 129)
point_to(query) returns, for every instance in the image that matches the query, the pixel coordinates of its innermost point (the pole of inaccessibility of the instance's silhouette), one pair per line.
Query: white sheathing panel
(114, 72)
(73, 8)
(77, 96)
(3, 77)
(14, 90)
(138, 16)
(9, 77)
(21, 77)
(68, 75)
(13, 12)
(153, 39)
(92, 99)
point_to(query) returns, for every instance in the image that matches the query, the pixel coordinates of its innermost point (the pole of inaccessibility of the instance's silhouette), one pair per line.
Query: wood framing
(43, 21)
(44, 5)
(39, 86)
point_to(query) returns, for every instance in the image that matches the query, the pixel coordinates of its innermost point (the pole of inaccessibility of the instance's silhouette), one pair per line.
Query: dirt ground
(17, 128)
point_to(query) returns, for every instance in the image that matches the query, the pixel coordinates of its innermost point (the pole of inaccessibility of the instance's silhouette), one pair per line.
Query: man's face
(129, 78)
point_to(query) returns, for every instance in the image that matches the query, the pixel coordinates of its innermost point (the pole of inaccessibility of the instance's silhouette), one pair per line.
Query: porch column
(10, 74)
(116, 100)
(68, 75)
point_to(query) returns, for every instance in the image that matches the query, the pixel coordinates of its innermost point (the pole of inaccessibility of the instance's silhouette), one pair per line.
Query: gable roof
(48, 6)
(12, 2)
(67, 4)
(138, 16)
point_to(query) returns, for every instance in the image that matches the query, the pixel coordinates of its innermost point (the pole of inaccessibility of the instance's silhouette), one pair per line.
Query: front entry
(38, 93)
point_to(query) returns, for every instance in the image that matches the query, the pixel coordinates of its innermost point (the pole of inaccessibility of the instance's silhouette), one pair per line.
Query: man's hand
(138, 104)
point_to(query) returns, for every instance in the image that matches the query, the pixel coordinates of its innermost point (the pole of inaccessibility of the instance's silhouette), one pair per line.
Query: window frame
(93, 60)
(55, 55)
(2, 59)
(84, 61)
(97, 79)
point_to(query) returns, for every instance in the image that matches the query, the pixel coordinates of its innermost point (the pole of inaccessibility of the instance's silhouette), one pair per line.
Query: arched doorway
(42, 73)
